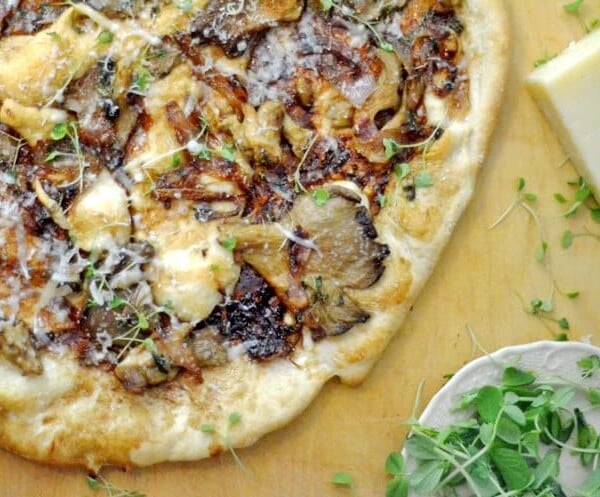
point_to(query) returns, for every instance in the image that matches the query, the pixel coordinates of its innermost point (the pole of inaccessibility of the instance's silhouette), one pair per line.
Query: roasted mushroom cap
(232, 25)
(16, 345)
(314, 256)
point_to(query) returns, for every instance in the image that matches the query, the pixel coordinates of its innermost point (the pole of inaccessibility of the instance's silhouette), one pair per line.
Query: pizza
(209, 209)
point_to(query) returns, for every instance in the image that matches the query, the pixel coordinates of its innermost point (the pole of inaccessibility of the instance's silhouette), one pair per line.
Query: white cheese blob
(191, 270)
(567, 89)
(100, 217)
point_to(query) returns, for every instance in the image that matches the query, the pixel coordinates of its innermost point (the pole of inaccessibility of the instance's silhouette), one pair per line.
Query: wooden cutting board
(478, 283)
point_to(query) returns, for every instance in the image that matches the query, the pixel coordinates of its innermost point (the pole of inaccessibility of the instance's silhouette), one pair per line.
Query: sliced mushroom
(16, 345)
(142, 368)
(263, 131)
(339, 253)
(207, 348)
(347, 253)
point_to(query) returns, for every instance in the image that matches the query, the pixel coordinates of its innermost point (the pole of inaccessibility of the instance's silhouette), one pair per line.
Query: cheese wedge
(567, 89)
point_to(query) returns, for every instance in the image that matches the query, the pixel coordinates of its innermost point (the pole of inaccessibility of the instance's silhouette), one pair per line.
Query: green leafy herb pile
(510, 446)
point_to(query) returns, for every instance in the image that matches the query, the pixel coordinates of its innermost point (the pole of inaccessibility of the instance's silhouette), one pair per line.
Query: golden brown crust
(83, 416)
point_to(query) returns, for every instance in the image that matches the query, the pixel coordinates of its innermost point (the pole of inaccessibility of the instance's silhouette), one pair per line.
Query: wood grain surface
(478, 283)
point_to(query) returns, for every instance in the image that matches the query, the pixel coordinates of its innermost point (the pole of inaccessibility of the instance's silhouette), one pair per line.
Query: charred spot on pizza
(255, 317)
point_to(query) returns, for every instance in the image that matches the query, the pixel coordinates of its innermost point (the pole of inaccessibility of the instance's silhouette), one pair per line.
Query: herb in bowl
(511, 441)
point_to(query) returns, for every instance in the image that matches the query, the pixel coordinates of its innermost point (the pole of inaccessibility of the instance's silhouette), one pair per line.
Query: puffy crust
(80, 416)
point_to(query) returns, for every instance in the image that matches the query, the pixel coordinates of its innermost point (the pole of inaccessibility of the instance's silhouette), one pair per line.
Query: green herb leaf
(547, 468)
(520, 184)
(234, 419)
(342, 479)
(591, 486)
(486, 433)
(516, 414)
(228, 152)
(402, 170)
(595, 215)
(589, 365)
(326, 5)
(149, 345)
(59, 131)
(92, 483)
(543, 60)
(560, 198)
(563, 323)
(573, 7)
(184, 5)
(207, 428)
(567, 239)
(204, 153)
(394, 464)
(176, 160)
(141, 81)
(391, 147)
(115, 303)
(229, 244)
(321, 196)
(423, 179)
(562, 397)
(513, 377)
(142, 322)
(52, 156)
(512, 466)
(530, 197)
(398, 487)
(593, 396)
(489, 403)
(426, 477)
(382, 200)
(583, 194)
(386, 47)
(55, 36)
(508, 430)
(105, 37)
(420, 447)
(541, 252)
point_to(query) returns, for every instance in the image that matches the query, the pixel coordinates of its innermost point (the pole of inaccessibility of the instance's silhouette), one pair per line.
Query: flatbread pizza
(209, 209)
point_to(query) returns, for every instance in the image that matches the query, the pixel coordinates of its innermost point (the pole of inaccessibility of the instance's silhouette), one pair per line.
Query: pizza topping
(203, 180)
(16, 345)
(143, 368)
(99, 217)
(255, 317)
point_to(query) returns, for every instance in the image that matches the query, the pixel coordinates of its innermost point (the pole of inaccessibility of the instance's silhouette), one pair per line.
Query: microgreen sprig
(68, 130)
(574, 8)
(524, 199)
(96, 483)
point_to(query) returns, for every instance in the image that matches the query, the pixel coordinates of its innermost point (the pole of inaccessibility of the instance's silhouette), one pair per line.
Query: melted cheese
(100, 216)
(191, 270)
(61, 53)
(155, 156)
(32, 123)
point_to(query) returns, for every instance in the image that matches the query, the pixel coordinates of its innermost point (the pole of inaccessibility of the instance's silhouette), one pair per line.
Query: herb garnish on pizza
(209, 209)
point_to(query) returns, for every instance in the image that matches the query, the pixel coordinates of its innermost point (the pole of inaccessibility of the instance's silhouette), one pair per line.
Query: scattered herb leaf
(342, 479)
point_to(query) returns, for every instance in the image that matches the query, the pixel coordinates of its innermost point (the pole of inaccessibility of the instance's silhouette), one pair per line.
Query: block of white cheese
(567, 89)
